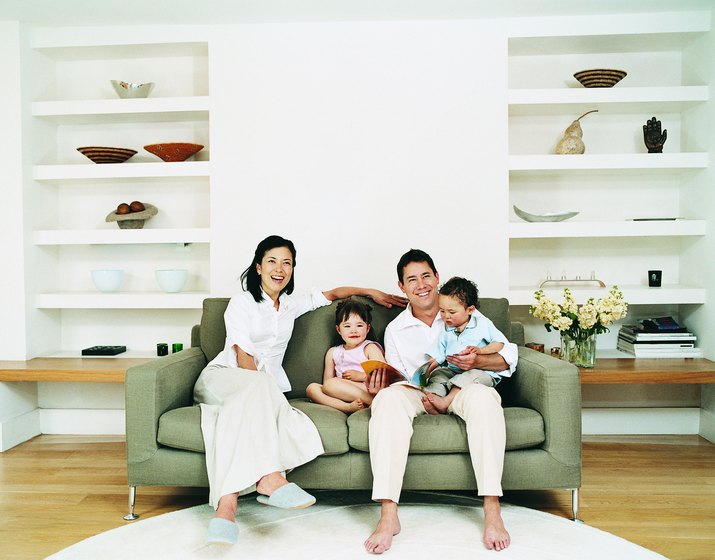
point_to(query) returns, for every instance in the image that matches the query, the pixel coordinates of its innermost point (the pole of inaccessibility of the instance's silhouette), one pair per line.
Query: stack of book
(661, 337)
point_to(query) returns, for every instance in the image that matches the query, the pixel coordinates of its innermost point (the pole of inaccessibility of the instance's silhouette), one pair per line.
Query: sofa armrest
(153, 388)
(552, 387)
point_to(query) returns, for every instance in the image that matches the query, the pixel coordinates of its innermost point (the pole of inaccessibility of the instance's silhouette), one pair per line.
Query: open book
(395, 376)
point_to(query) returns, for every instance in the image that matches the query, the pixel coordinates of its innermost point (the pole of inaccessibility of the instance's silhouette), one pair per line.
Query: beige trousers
(249, 430)
(390, 430)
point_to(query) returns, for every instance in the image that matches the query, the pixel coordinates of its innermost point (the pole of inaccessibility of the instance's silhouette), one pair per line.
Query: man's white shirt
(407, 340)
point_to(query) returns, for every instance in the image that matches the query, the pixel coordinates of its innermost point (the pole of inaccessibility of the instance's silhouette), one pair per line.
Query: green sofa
(542, 407)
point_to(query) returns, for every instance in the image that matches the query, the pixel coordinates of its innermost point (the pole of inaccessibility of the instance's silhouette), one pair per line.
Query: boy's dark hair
(413, 255)
(352, 307)
(251, 280)
(464, 290)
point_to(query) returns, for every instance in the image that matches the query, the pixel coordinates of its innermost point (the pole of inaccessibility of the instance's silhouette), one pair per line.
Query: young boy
(464, 327)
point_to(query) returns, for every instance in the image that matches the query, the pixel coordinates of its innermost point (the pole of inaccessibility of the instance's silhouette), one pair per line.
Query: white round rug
(434, 525)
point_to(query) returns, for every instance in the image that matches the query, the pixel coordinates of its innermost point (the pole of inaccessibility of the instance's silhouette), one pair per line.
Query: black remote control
(103, 350)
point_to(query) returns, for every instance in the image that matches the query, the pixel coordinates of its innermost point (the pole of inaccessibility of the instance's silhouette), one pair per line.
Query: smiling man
(407, 338)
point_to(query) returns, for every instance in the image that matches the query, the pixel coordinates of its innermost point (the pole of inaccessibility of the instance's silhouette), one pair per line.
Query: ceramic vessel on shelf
(173, 151)
(172, 280)
(600, 77)
(106, 154)
(130, 90)
(107, 280)
(132, 220)
(548, 217)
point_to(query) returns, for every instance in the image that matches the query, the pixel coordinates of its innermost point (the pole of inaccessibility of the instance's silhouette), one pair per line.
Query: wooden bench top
(94, 370)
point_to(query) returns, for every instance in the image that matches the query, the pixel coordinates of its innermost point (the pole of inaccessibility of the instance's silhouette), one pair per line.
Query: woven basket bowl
(599, 77)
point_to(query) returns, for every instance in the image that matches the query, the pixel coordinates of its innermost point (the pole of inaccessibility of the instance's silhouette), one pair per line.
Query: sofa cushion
(181, 428)
(446, 433)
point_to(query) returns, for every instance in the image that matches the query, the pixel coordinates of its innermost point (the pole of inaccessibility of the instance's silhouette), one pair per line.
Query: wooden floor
(658, 492)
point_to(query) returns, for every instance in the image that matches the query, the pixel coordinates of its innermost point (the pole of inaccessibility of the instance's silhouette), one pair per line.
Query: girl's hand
(354, 375)
(387, 300)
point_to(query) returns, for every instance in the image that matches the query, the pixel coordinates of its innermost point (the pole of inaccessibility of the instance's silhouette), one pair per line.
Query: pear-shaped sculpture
(571, 142)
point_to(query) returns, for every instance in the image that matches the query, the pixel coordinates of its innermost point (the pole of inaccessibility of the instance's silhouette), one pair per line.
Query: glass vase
(581, 352)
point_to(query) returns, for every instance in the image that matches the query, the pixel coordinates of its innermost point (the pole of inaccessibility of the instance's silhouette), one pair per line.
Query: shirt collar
(283, 298)
(471, 324)
(406, 319)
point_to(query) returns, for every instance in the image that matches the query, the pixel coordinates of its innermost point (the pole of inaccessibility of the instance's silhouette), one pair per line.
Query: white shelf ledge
(122, 236)
(121, 300)
(122, 170)
(612, 100)
(187, 108)
(633, 294)
(666, 228)
(559, 162)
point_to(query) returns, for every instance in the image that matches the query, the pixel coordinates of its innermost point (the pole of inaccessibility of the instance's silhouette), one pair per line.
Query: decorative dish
(174, 151)
(600, 77)
(548, 217)
(129, 90)
(106, 154)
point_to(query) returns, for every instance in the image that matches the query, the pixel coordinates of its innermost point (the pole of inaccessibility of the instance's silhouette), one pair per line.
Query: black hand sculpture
(653, 137)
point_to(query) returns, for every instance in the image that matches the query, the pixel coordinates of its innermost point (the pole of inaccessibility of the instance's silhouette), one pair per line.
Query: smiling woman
(241, 391)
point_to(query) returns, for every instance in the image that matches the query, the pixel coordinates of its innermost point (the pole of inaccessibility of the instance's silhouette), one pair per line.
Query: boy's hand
(354, 375)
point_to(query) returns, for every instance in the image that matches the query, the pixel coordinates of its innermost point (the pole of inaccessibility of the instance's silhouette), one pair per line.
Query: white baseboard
(16, 430)
(605, 421)
(707, 425)
(82, 421)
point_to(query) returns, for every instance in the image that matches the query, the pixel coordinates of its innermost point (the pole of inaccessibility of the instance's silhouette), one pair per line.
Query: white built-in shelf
(658, 228)
(633, 294)
(106, 110)
(122, 170)
(613, 100)
(122, 236)
(563, 162)
(121, 300)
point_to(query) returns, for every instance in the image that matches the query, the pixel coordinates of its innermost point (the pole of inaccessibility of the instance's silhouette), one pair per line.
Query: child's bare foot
(356, 405)
(429, 407)
(387, 527)
(440, 404)
(496, 536)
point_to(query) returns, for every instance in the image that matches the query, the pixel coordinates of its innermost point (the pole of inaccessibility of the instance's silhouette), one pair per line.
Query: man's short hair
(413, 255)
(465, 291)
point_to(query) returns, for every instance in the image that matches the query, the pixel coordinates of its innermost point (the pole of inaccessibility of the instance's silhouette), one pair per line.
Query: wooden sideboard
(92, 370)
(632, 371)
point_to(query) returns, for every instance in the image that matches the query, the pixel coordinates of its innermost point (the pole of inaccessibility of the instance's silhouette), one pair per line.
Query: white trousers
(392, 413)
(249, 430)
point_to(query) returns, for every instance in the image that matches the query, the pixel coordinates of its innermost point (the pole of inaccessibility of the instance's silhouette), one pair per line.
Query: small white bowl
(107, 280)
(129, 90)
(172, 280)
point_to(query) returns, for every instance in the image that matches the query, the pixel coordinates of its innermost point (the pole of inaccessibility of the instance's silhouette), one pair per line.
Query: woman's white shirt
(263, 331)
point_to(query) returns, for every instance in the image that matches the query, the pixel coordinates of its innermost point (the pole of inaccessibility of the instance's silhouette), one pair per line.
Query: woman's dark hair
(464, 290)
(413, 255)
(352, 307)
(251, 280)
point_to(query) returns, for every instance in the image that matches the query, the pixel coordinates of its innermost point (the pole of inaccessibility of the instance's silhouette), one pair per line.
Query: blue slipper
(290, 496)
(222, 531)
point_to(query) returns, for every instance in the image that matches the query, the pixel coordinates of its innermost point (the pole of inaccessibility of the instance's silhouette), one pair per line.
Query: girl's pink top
(347, 360)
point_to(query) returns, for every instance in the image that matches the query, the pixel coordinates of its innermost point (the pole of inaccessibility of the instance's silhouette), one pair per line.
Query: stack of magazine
(661, 337)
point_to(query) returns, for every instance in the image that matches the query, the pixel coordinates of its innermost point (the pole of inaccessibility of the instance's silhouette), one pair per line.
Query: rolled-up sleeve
(311, 301)
(238, 325)
(510, 353)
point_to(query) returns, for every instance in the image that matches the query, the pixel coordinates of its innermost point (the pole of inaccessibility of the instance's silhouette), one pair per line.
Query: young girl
(343, 379)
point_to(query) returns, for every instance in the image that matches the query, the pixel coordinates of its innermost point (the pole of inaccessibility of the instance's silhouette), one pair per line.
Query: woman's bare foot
(440, 404)
(270, 483)
(387, 527)
(496, 536)
(227, 506)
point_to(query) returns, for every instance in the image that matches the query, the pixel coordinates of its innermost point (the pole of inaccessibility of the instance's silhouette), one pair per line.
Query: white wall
(359, 141)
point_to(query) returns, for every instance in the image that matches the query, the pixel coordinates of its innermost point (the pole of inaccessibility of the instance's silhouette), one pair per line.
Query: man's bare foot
(387, 527)
(440, 404)
(496, 536)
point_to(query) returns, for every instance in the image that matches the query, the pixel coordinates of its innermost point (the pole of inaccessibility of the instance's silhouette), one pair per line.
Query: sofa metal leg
(131, 516)
(574, 505)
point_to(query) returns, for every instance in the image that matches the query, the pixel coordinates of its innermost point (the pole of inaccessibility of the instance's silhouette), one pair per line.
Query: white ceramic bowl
(172, 280)
(107, 280)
